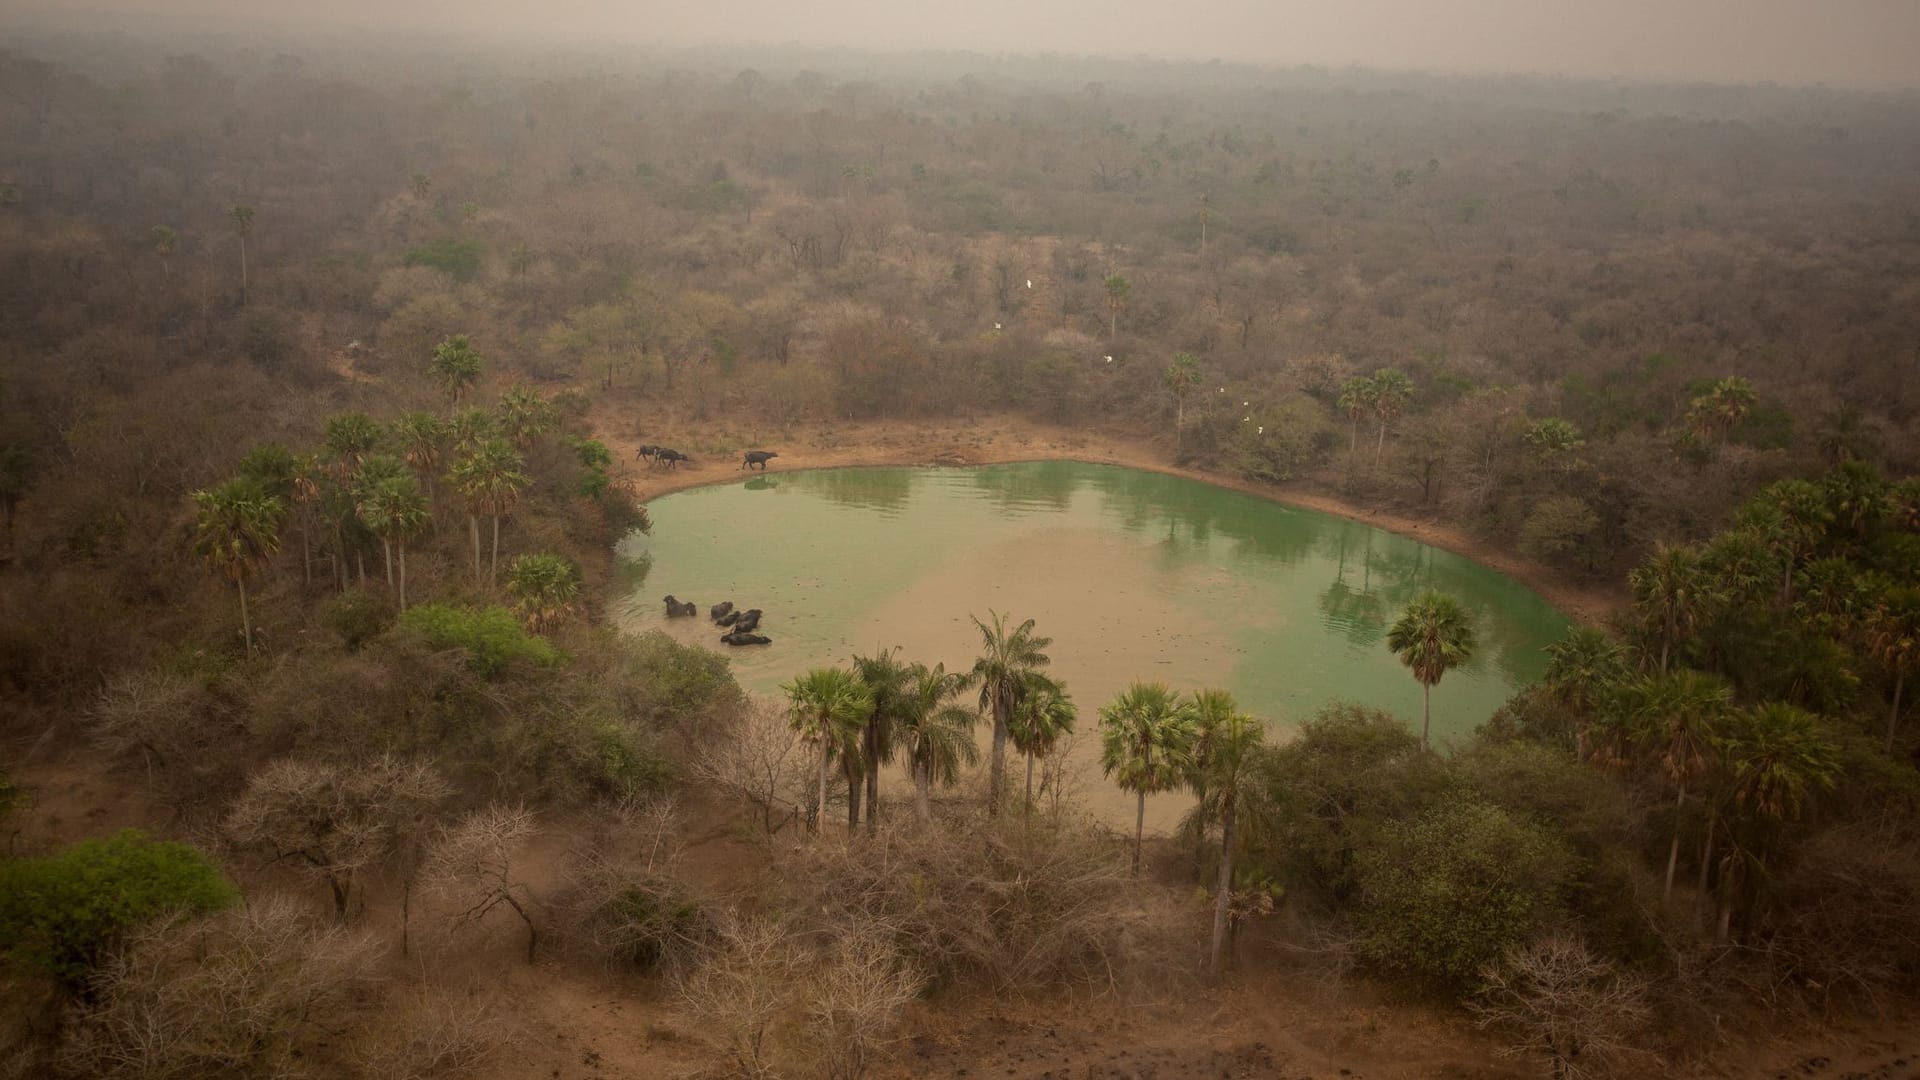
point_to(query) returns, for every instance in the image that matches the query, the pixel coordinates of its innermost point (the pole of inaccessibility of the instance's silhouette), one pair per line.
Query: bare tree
(760, 761)
(1568, 1007)
(336, 821)
(432, 1032)
(854, 1004)
(744, 990)
(622, 899)
(472, 864)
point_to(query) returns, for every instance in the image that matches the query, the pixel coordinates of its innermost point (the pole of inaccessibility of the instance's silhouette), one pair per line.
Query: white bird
(1245, 404)
(1109, 359)
(1262, 430)
(1223, 389)
(1029, 283)
(996, 326)
(1245, 419)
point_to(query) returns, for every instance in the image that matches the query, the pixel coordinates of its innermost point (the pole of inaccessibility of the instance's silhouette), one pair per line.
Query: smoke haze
(1845, 42)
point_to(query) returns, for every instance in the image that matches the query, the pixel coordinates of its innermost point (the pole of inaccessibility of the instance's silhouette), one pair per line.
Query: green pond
(1135, 575)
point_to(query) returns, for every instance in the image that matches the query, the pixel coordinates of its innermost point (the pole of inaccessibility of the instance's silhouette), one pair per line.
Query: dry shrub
(471, 866)
(243, 993)
(1569, 1008)
(622, 900)
(431, 1033)
(1019, 906)
(744, 989)
(854, 1001)
(1845, 924)
(759, 759)
(173, 724)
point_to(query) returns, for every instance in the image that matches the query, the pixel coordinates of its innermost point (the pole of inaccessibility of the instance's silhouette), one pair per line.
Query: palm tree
(524, 414)
(1391, 392)
(1670, 594)
(1891, 633)
(1793, 518)
(349, 438)
(1722, 407)
(1181, 376)
(544, 587)
(1044, 716)
(1582, 668)
(1117, 289)
(891, 683)
(369, 482)
(422, 440)
(935, 735)
(1775, 755)
(165, 241)
(1676, 716)
(490, 480)
(308, 475)
(1856, 497)
(468, 428)
(393, 508)
(1146, 745)
(456, 365)
(1228, 741)
(827, 705)
(242, 216)
(1553, 440)
(237, 532)
(1002, 672)
(1357, 397)
(1433, 636)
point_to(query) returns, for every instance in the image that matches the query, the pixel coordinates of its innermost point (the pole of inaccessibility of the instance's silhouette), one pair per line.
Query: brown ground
(1004, 439)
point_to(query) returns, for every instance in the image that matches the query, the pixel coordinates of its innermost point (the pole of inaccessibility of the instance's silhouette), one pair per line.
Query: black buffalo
(719, 611)
(757, 457)
(748, 620)
(730, 618)
(677, 608)
(646, 450)
(741, 637)
(670, 456)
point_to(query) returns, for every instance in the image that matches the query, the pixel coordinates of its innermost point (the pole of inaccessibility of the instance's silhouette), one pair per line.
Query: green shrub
(450, 255)
(1450, 891)
(358, 616)
(492, 637)
(62, 913)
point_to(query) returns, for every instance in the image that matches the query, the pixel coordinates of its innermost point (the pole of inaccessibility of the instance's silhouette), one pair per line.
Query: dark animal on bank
(741, 637)
(677, 608)
(748, 621)
(647, 450)
(757, 457)
(671, 457)
(718, 611)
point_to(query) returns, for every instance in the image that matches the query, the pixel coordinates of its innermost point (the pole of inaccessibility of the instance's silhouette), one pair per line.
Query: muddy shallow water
(1135, 575)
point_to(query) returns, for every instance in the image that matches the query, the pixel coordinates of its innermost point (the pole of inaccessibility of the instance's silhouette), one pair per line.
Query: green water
(1135, 575)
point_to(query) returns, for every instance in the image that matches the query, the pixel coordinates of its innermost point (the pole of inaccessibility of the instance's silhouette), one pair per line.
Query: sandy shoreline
(1000, 440)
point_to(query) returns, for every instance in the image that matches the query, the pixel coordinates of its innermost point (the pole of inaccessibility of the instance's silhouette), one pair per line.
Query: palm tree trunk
(386, 548)
(1673, 850)
(996, 769)
(1893, 717)
(1706, 852)
(854, 778)
(820, 808)
(1139, 828)
(1786, 583)
(1426, 715)
(873, 792)
(246, 623)
(1224, 890)
(306, 556)
(1029, 807)
(1380, 450)
(243, 270)
(493, 563)
(473, 527)
(921, 806)
(1179, 421)
(403, 575)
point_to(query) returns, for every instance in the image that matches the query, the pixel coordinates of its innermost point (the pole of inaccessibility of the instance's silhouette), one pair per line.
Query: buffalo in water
(741, 637)
(677, 608)
(757, 457)
(730, 618)
(747, 621)
(719, 611)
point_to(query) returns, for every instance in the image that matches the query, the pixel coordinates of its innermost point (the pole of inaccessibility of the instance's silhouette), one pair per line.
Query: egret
(1244, 404)
(1246, 419)
(1223, 389)
(1261, 430)
(996, 326)
(1029, 283)
(1109, 359)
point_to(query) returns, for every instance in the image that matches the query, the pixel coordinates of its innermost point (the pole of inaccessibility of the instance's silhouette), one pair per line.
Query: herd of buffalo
(740, 623)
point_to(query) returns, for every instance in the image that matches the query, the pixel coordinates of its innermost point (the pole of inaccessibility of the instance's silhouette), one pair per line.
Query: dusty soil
(992, 440)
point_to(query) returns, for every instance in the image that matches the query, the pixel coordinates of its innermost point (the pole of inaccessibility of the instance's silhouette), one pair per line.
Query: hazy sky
(1839, 41)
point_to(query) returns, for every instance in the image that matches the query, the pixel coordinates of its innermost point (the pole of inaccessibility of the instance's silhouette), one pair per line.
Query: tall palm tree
(1856, 497)
(456, 364)
(1775, 756)
(394, 509)
(1007, 658)
(373, 486)
(1223, 772)
(1392, 390)
(1117, 289)
(1044, 716)
(1582, 668)
(544, 587)
(1146, 746)
(237, 532)
(1891, 634)
(934, 734)
(1357, 396)
(1433, 636)
(308, 476)
(242, 216)
(1181, 376)
(468, 428)
(490, 480)
(525, 414)
(349, 438)
(891, 683)
(1677, 716)
(422, 440)
(826, 705)
(1794, 518)
(1670, 594)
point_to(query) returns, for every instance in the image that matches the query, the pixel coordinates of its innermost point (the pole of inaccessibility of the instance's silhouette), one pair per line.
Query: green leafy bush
(456, 257)
(492, 637)
(358, 616)
(62, 913)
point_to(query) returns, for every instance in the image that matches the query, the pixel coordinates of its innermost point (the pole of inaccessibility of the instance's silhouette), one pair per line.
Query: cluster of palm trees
(882, 709)
(371, 482)
(1713, 415)
(1383, 395)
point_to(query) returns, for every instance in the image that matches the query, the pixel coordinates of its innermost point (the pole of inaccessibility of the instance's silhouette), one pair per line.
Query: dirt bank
(716, 456)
